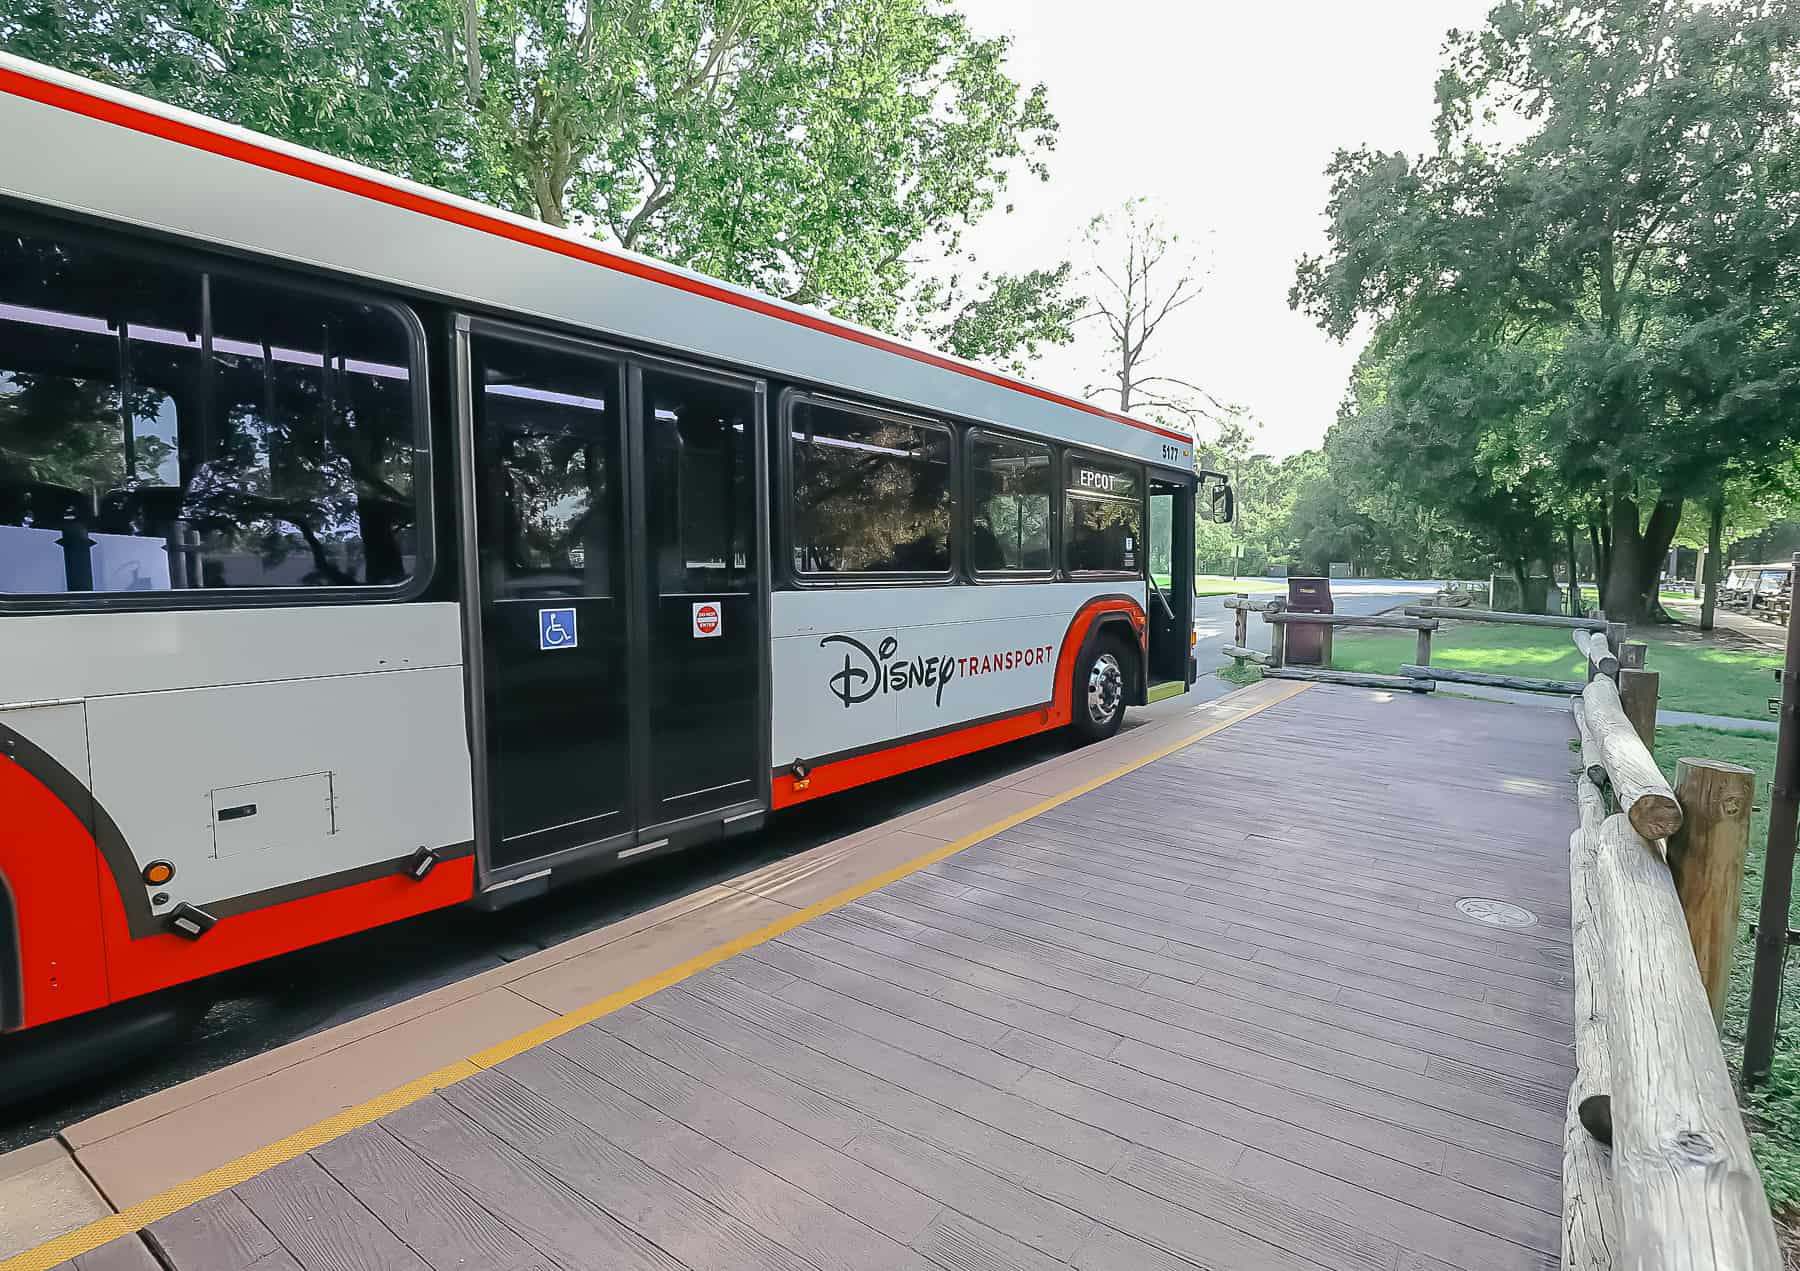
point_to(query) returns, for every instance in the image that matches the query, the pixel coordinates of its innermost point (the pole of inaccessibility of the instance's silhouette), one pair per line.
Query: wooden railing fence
(1275, 662)
(1601, 643)
(1657, 1169)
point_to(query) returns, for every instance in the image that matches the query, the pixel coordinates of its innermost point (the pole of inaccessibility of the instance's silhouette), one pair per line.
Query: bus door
(696, 438)
(1171, 612)
(619, 686)
(551, 713)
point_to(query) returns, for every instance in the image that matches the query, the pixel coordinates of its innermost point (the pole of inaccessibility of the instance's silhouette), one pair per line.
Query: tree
(1140, 277)
(1608, 309)
(802, 147)
(366, 80)
(1432, 501)
(1006, 325)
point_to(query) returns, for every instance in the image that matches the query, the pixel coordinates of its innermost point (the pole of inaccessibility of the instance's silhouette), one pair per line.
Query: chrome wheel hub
(1105, 689)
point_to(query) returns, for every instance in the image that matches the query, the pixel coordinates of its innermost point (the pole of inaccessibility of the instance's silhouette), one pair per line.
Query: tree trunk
(1600, 563)
(1715, 548)
(1574, 605)
(1624, 597)
(1659, 536)
(472, 52)
(1635, 559)
(1533, 592)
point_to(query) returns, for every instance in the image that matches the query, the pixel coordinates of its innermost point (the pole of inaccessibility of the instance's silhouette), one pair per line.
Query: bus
(365, 551)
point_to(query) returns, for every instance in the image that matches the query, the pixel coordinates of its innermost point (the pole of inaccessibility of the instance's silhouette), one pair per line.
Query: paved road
(1213, 622)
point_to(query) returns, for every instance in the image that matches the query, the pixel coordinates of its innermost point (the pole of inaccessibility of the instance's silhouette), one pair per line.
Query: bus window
(871, 492)
(1103, 517)
(1011, 485)
(163, 428)
(549, 423)
(698, 437)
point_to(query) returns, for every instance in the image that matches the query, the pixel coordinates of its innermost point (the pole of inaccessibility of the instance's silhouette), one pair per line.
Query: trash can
(1309, 644)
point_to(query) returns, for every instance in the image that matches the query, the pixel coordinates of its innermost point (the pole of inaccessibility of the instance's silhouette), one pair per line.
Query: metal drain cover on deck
(1496, 913)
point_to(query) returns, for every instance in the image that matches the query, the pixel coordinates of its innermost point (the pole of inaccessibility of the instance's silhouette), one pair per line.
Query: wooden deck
(1221, 1012)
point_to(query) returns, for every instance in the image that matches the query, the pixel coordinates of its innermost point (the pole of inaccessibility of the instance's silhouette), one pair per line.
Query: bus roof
(170, 170)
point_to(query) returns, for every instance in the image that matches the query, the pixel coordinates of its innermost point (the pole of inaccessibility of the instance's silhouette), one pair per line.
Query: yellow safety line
(136, 1217)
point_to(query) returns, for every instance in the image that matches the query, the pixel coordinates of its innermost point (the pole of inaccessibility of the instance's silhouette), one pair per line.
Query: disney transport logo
(867, 672)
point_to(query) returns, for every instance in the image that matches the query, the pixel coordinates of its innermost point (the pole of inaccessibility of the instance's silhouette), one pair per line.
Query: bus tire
(49, 1059)
(1103, 679)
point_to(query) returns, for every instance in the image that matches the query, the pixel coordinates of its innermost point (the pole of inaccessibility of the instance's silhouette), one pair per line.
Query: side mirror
(1217, 500)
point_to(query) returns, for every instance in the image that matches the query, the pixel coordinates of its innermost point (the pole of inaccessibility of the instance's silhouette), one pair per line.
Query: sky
(1224, 114)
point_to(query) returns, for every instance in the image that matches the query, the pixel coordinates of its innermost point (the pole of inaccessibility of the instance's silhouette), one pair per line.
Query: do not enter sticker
(707, 620)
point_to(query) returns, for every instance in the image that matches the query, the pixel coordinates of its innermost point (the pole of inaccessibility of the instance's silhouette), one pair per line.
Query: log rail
(1657, 1169)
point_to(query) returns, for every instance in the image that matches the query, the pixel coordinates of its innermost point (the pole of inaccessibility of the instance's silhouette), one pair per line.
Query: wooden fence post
(1615, 636)
(1242, 630)
(1422, 650)
(1707, 858)
(1278, 644)
(1637, 694)
(1764, 1023)
(1631, 655)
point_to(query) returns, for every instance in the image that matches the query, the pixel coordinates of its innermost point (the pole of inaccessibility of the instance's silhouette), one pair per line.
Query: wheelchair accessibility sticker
(556, 629)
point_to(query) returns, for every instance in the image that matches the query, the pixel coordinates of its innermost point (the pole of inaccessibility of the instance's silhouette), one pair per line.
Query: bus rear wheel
(1102, 676)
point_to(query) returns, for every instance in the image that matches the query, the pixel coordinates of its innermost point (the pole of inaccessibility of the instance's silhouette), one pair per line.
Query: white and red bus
(364, 550)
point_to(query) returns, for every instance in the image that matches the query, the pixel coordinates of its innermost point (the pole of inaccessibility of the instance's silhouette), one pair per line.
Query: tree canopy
(1598, 322)
(811, 149)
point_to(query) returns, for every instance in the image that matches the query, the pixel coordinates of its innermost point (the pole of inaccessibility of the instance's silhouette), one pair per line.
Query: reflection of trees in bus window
(1103, 518)
(549, 420)
(871, 494)
(286, 460)
(1011, 485)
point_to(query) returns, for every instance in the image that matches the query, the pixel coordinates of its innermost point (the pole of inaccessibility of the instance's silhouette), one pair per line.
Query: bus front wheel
(1102, 679)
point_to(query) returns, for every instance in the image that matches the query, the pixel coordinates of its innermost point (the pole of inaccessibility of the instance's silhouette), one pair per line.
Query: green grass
(1219, 585)
(1695, 677)
(1240, 673)
(1774, 1106)
(1590, 596)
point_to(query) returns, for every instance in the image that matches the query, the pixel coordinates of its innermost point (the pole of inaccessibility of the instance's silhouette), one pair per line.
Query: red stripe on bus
(845, 774)
(76, 952)
(54, 873)
(156, 962)
(139, 120)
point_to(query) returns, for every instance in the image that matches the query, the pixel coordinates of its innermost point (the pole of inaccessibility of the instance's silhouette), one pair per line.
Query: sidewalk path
(1556, 702)
(1768, 635)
